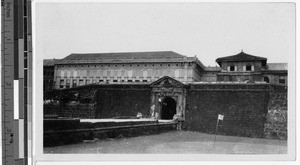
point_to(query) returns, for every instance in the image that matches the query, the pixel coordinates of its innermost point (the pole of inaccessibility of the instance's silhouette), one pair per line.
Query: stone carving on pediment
(167, 82)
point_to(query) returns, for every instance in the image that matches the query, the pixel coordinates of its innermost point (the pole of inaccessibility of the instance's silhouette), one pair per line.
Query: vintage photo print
(207, 81)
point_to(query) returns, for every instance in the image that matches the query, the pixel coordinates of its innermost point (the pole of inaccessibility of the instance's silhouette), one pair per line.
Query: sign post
(220, 117)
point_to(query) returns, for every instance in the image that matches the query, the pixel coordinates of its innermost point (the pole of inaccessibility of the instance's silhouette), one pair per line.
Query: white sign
(220, 117)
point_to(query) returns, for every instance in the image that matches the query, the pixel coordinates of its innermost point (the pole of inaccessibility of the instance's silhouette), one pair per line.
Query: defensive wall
(251, 110)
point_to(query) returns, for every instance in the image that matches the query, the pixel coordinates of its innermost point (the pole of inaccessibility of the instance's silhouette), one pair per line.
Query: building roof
(49, 62)
(240, 57)
(127, 57)
(124, 55)
(212, 68)
(277, 66)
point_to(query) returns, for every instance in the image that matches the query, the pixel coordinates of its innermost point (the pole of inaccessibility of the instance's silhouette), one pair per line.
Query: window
(74, 83)
(282, 81)
(62, 81)
(94, 81)
(231, 68)
(80, 82)
(87, 81)
(100, 80)
(68, 83)
(137, 80)
(115, 80)
(248, 68)
(145, 81)
(129, 80)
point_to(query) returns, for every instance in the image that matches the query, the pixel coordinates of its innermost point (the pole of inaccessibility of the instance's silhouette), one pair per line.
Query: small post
(220, 117)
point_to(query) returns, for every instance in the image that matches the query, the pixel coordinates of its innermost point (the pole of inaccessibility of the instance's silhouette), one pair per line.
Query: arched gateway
(168, 108)
(168, 97)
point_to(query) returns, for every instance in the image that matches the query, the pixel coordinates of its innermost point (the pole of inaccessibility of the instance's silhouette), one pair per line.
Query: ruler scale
(7, 51)
(16, 81)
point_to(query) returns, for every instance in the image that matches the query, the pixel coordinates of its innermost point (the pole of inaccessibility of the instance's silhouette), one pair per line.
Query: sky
(205, 30)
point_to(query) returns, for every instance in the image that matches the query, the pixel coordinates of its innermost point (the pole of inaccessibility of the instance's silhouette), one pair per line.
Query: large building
(146, 67)
(133, 67)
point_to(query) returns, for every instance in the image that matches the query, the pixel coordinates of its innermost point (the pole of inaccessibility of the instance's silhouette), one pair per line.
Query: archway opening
(266, 79)
(168, 109)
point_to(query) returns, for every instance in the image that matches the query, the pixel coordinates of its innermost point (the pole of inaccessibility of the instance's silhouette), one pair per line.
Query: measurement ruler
(16, 95)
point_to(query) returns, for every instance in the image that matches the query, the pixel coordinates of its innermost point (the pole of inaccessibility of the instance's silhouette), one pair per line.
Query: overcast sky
(207, 30)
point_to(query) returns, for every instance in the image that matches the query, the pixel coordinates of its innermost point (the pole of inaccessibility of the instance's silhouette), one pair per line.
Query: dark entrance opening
(168, 109)
(266, 79)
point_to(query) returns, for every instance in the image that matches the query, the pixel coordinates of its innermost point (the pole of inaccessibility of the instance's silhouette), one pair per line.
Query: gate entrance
(168, 109)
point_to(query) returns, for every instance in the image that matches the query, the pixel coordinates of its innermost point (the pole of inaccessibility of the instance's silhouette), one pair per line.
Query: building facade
(243, 67)
(137, 67)
(147, 67)
(48, 81)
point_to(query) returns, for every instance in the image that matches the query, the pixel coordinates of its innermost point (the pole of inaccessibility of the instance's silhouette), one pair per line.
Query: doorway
(266, 79)
(168, 109)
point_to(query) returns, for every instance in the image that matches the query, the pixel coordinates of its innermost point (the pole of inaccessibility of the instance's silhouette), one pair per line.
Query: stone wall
(276, 124)
(72, 103)
(252, 110)
(123, 101)
(244, 108)
(70, 110)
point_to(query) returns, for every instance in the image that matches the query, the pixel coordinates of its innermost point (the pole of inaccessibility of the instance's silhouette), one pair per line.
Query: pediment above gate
(167, 82)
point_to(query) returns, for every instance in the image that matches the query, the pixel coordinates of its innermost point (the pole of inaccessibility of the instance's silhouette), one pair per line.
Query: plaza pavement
(176, 142)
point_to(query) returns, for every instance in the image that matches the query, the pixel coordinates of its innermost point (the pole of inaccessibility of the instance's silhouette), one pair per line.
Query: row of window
(116, 73)
(281, 80)
(67, 83)
(245, 68)
(123, 65)
(82, 82)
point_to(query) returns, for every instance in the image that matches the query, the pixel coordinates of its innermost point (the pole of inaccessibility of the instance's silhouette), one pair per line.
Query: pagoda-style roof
(240, 57)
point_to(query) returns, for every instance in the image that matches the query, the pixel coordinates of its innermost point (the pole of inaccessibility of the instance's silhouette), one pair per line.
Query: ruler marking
(21, 138)
(7, 48)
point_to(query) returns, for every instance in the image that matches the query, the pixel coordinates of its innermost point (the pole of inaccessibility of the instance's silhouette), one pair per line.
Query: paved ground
(177, 142)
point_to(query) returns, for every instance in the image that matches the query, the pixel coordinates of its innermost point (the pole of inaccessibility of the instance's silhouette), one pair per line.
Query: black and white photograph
(166, 78)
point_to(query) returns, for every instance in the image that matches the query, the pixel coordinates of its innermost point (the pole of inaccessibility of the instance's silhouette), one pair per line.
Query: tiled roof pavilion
(241, 57)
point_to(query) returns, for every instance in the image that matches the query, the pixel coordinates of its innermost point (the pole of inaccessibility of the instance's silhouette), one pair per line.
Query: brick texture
(276, 123)
(244, 108)
(123, 101)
